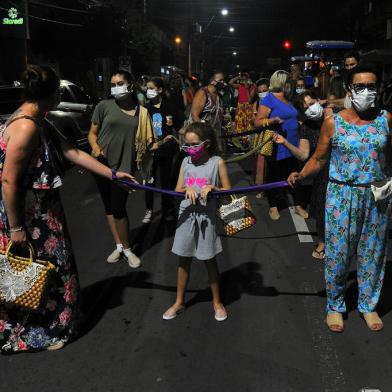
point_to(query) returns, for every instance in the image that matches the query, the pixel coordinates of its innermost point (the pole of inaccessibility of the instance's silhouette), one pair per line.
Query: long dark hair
(205, 132)
(158, 83)
(40, 82)
(299, 100)
(127, 76)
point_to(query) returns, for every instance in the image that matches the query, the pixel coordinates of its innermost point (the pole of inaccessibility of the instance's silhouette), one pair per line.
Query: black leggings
(280, 171)
(167, 177)
(114, 198)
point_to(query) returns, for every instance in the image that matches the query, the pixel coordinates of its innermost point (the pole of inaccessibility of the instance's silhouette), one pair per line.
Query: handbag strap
(29, 247)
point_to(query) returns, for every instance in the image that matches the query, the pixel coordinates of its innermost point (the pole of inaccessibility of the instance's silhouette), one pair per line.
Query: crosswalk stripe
(300, 226)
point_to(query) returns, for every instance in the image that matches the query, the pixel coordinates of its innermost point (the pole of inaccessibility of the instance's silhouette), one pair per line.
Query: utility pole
(190, 21)
(27, 30)
(189, 59)
(145, 8)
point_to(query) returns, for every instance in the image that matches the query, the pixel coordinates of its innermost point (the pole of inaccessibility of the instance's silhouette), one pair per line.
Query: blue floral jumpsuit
(355, 224)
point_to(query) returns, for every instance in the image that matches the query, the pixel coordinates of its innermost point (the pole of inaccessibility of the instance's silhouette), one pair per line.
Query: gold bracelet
(17, 229)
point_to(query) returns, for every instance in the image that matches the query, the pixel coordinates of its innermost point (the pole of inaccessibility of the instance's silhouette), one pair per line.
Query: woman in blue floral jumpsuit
(358, 141)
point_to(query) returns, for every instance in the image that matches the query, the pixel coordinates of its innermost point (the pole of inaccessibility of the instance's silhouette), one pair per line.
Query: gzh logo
(12, 18)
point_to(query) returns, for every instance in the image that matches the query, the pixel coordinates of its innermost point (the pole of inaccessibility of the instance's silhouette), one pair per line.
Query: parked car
(71, 117)
(73, 114)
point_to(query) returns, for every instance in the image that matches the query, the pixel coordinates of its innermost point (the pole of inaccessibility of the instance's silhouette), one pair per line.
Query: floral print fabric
(356, 226)
(22, 330)
(359, 151)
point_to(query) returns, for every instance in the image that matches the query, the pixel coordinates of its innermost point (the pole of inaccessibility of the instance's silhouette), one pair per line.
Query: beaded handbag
(265, 138)
(23, 281)
(236, 214)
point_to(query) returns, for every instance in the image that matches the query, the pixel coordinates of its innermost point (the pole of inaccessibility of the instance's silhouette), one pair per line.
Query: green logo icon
(13, 13)
(13, 18)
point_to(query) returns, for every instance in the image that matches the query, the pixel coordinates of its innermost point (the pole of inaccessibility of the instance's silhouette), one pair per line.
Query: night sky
(261, 25)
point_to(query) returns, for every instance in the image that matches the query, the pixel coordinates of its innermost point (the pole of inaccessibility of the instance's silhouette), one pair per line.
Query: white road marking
(300, 226)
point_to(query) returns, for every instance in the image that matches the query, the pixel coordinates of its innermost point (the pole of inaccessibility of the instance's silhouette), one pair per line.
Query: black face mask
(219, 86)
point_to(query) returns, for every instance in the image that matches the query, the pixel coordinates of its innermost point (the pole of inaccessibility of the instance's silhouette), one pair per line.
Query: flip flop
(318, 254)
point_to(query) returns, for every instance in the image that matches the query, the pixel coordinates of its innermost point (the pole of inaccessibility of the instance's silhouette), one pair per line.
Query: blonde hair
(278, 81)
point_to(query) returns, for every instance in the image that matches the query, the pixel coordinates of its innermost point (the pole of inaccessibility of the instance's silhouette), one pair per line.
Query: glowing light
(287, 44)
(225, 12)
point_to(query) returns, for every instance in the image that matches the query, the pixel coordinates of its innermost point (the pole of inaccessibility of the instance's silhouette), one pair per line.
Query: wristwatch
(114, 175)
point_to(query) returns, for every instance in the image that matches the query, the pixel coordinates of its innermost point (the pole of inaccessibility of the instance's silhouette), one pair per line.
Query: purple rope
(248, 189)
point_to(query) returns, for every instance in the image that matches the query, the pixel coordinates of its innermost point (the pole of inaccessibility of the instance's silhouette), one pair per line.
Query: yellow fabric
(145, 136)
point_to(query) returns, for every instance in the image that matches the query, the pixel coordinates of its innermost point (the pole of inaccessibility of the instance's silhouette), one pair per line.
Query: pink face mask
(195, 152)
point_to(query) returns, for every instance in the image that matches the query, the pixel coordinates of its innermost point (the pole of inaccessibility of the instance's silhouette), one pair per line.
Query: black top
(310, 130)
(160, 121)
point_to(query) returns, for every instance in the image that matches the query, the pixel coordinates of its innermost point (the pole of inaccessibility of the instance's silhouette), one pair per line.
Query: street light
(231, 29)
(178, 40)
(234, 53)
(225, 12)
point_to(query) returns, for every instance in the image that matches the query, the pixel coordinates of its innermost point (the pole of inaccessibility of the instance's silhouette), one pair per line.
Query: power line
(35, 2)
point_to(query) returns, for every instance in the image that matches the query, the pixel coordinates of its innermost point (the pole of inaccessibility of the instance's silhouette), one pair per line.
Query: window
(65, 95)
(80, 95)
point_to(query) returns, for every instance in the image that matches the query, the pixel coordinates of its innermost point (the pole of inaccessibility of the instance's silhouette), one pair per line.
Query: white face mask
(314, 112)
(263, 94)
(120, 92)
(300, 90)
(316, 83)
(363, 101)
(151, 93)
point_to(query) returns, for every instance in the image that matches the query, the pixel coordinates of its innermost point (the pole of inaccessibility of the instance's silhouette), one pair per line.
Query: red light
(287, 44)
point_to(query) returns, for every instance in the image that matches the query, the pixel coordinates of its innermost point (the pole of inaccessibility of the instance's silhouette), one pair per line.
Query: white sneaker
(147, 216)
(114, 257)
(133, 260)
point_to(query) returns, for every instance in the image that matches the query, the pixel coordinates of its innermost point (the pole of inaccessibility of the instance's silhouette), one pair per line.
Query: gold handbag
(236, 214)
(263, 137)
(23, 281)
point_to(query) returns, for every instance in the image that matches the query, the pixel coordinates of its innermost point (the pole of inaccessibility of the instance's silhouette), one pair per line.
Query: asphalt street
(275, 339)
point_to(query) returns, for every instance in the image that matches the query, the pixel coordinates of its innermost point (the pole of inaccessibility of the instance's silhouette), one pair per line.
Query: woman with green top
(121, 136)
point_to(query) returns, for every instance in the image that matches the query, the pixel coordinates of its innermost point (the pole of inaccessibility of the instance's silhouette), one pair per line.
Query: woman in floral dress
(31, 211)
(358, 142)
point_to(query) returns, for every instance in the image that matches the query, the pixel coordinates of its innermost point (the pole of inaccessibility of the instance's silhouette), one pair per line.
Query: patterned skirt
(244, 118)
(23, 330)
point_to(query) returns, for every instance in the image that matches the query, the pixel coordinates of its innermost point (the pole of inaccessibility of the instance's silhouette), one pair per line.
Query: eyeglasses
(187, 145)
(361, 87)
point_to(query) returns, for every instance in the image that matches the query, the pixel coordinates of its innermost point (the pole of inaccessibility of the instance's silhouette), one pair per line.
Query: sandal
(55, 346)
(172, 312)
(318, 254)
(335, 322)
(373, 321)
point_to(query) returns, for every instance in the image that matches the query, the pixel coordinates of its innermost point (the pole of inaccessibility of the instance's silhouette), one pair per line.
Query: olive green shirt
(116, 135)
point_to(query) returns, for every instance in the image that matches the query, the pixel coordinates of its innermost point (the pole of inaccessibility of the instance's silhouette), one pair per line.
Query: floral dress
(20, 329)
(355, 225)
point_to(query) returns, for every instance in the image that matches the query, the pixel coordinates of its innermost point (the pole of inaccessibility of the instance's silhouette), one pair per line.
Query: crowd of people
(330, 142)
